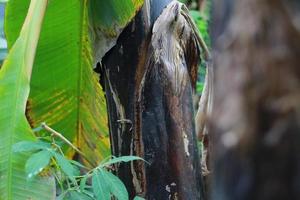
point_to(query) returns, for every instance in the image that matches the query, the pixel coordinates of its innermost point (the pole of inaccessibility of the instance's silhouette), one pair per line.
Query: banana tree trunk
(148, 78)
(256, 120)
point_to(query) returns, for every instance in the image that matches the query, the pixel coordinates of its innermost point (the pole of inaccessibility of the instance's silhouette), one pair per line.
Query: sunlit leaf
(116, 186)
(66, 166)
(14, 90)
(65, 91)
(76, 195)
(24, 146)
(83, 183)
(37, 162)
(138, 198)
(100, 188)
(122, 159)
(77, 164)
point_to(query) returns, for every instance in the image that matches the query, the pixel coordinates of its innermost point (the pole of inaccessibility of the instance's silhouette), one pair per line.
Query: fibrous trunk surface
(148, 78)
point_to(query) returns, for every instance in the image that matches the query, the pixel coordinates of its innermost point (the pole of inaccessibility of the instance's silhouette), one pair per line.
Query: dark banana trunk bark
(256, 115)
(148, 79)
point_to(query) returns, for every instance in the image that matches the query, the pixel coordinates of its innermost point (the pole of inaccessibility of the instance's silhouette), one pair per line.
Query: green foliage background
(202, 20)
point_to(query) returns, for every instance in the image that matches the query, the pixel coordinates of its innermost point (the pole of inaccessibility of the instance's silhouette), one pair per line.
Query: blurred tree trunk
(149, 78)
(201, 4)
(256, 115)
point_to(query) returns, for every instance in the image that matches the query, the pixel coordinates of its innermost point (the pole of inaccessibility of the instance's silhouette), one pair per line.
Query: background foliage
(202, 19)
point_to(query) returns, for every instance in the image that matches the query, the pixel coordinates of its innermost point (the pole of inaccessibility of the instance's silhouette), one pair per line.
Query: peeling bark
(202, 109)
(256, 120)
(149, 78)
(205, 108)
(205, 103)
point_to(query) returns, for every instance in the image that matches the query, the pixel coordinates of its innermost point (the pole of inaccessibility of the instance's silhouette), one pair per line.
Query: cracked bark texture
(148, 79)
(256, 115)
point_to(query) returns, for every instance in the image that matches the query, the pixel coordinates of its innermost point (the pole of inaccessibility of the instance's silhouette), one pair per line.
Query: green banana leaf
(108, 18)
(14, 90)
(65, 92)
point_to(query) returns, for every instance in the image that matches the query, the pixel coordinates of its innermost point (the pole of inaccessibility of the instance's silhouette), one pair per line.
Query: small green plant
(74, 180)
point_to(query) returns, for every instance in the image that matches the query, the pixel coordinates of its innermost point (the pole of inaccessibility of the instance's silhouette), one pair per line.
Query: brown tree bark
(149, 78)
(256, 115)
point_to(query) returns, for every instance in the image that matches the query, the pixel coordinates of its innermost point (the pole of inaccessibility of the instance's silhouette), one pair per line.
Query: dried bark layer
(256, 115)
(148, 78)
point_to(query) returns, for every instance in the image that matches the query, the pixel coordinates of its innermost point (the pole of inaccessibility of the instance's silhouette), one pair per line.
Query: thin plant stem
(56, 177)
(59, 135)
